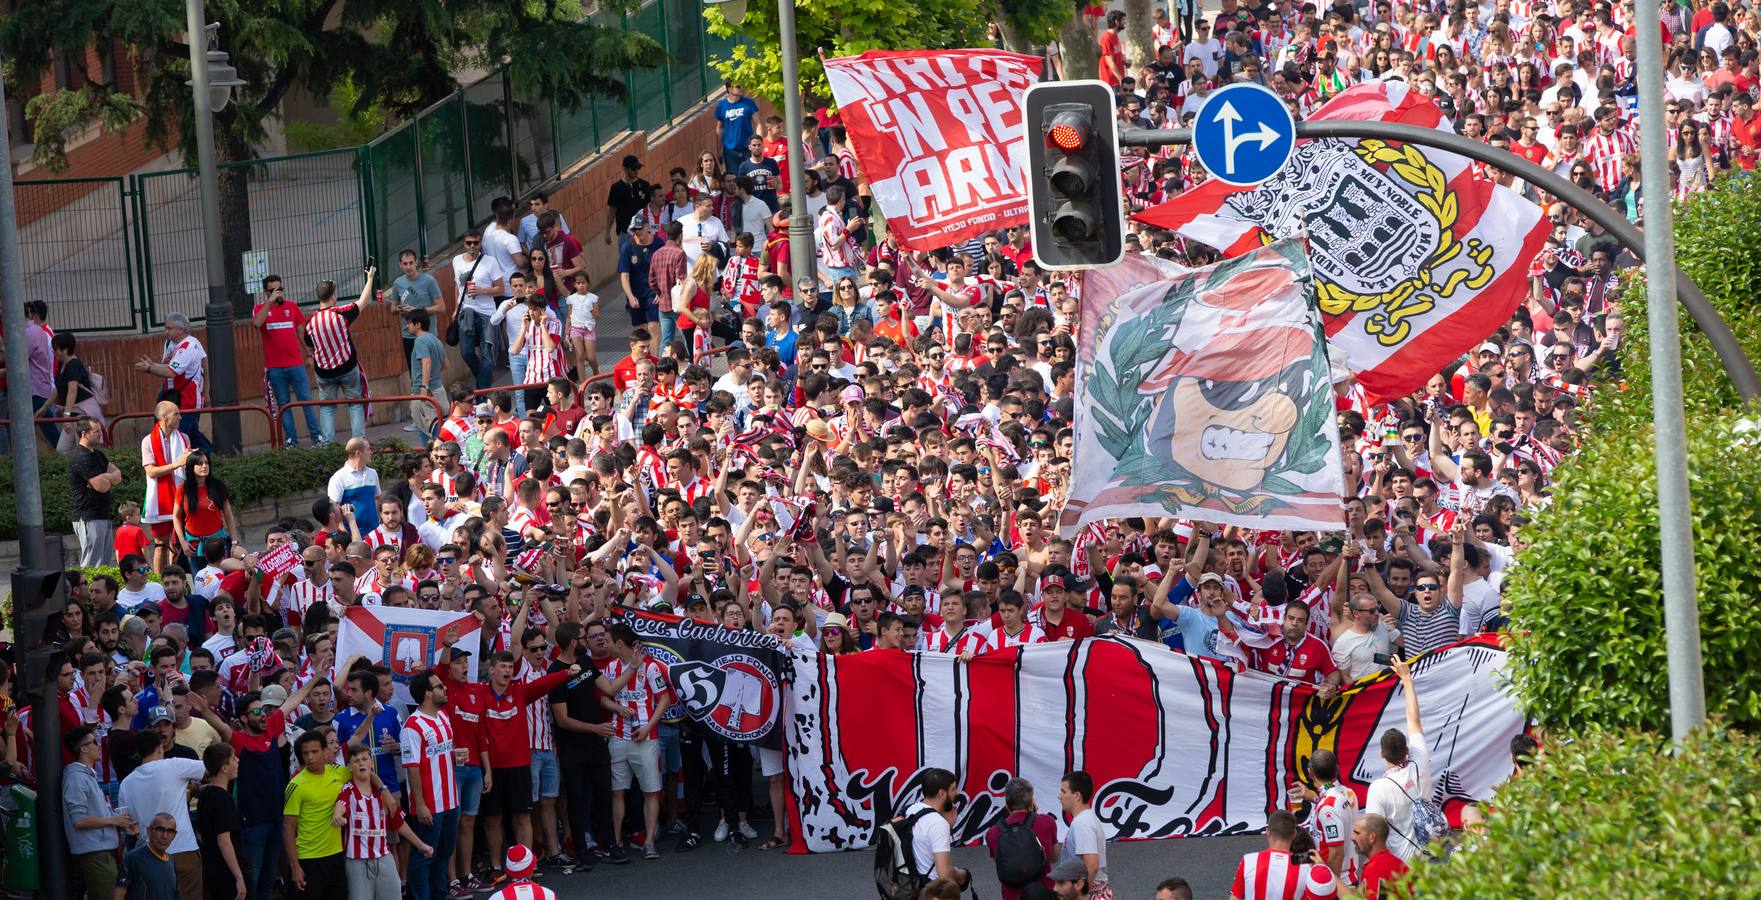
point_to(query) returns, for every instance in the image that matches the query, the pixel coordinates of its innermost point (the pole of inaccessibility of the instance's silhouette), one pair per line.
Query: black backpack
(895, 868)
(1021, 860)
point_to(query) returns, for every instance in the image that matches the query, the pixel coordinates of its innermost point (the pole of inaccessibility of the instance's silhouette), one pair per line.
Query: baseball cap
(273, 695)
(448, 654)
(632, 161)
(485, 411)
(853, 394)
(521, 860)
(696, 600)
(639, 221)
(159, 714)
(1489, 347)
(149, 608)
(1211, 578)
(912, 589)
(1069, 869)
(1053, 582)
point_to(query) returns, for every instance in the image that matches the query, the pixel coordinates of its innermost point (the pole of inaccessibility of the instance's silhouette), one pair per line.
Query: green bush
(253, 476)
(1587, 598)
(1616, 814)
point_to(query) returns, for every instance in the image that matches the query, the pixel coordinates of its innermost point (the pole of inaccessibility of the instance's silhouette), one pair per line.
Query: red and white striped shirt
(327, 332)
(302, 594)
(1268, 875)
(698, 488)
(456, 428)
(380, 537)
(837, 249)
(642, 694)
(523, 890)
(1604, 152)
(544, 364)
(425, 746)
(450, 484)
(366, 823)
(1001, 639)
(538, 711)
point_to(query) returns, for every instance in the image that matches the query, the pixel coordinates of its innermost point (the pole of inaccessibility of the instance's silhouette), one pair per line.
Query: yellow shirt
(312, 798)
(197, 735)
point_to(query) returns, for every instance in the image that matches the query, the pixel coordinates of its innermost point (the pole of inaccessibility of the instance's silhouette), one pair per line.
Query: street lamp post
(801, 255)
(211, 83)
(18, 369)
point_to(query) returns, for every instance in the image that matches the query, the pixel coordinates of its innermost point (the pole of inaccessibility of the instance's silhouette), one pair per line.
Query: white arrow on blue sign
(1244, 134)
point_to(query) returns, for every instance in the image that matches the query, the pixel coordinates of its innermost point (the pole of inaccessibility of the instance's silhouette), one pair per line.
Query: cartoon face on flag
(407, 641)
(1206, 396)
(1415, 257)
(938, 135)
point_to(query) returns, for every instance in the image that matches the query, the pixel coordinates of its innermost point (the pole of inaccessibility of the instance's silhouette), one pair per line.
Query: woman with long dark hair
(203, 510)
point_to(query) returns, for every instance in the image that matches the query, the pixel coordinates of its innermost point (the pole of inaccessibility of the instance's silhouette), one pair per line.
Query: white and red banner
(1416, 259)
(938, 135)
(406, 640)
(1177, 745)
(1205, 395)
(280, 561)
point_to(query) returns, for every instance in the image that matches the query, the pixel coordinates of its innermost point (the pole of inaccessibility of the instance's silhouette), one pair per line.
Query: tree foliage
(400, 55)
(848, 27)
(1617, 814)
(1587, 599)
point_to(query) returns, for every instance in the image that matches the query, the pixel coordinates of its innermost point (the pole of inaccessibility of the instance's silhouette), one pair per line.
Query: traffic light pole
(1736, 363)
(18, 368)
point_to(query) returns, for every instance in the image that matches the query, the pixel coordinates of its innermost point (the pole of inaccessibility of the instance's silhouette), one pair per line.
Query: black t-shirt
(73, 371)
(627, 198)
(766, 177)
(82, 466)
(216, 814)
(144, 876)
(581, 695)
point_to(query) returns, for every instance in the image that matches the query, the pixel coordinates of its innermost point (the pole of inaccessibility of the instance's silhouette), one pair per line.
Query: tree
(1139, 36)
(398, 55)
(848, 27)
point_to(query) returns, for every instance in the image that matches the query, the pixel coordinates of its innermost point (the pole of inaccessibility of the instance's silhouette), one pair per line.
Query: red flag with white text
(938, 136)
(1415, 258)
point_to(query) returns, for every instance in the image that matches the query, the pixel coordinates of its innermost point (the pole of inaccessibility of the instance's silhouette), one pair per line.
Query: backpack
(100, 387)
(895, 868)
(1430, 828)
(1021, 860)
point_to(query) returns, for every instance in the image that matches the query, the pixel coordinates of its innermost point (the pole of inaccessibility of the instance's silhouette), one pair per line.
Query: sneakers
(617, 856)
(474, 885)
(677, 827)
(721, 831)
(747, 831)
(413, 428)
(648, 852)
(498, 879)
(458, 891)
(688, 843)
(559, 861)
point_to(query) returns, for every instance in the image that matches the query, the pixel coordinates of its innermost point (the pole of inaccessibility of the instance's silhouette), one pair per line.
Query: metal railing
(119, 418)
(117, 254)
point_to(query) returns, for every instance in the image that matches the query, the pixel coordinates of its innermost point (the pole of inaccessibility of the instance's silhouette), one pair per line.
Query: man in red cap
(519, 865)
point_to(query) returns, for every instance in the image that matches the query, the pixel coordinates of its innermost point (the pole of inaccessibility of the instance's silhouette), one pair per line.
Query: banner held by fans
(938, 135)
(405, 640)
(1206, 396)
(729, 680)
(1416, 258)
(1178, 745)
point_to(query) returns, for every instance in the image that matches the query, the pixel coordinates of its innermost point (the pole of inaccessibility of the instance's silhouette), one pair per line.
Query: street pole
(1681, 611)
(801, 255)
(26, 485)
(222, 357)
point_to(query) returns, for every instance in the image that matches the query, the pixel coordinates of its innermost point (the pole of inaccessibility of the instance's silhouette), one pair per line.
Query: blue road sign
(1244, 134)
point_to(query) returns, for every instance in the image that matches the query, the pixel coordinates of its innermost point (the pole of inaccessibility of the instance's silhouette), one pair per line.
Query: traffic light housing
(1073, 189)
(38, 600)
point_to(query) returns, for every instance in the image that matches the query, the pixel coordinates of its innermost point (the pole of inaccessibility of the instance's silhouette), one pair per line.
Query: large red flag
(938, 134)
(1416, 259)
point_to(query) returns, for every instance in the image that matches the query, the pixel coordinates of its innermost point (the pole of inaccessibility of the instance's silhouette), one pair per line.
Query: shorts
(511, 794)
(771, 762)
(577, 333)
(671, 758)
(644, 314)
(161, 529)
(547, 775)
(637, 761)
(470, 780)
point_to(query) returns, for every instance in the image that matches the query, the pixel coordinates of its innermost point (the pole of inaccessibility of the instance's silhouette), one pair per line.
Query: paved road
(1207, 864)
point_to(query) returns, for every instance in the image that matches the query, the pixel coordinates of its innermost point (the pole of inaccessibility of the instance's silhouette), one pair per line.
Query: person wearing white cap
(520, 863)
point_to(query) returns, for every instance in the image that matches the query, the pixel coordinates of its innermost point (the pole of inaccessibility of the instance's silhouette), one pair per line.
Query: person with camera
(280, 321)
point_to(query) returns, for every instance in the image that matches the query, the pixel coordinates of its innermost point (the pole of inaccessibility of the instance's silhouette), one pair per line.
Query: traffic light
(1073, 190)
(37, 601)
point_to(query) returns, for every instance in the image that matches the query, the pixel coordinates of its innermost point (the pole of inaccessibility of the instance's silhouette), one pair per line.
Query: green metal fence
(119, 254)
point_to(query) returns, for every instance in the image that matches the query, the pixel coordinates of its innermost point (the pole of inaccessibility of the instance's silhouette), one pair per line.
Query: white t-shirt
(1478, 600)
(700, 233)
(1391, 795)
(207, 582)
(484, 276)
(583, 310)
(501, 246)
(162, 786)
(1208, 53)
(1355, 653)
(1086, 834)
(930, 835)
(131, 600)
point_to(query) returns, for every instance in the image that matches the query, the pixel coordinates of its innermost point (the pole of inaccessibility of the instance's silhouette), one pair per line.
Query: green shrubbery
(1616, 814)
(252, 477)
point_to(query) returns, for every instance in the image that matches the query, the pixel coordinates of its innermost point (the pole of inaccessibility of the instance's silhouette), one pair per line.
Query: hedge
(1616, 814)
(1587, 607)
(253, 476)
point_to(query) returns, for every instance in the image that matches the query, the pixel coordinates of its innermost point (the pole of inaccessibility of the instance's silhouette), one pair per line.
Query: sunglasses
(1425, 587)
(473, 243)
(443, 560)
